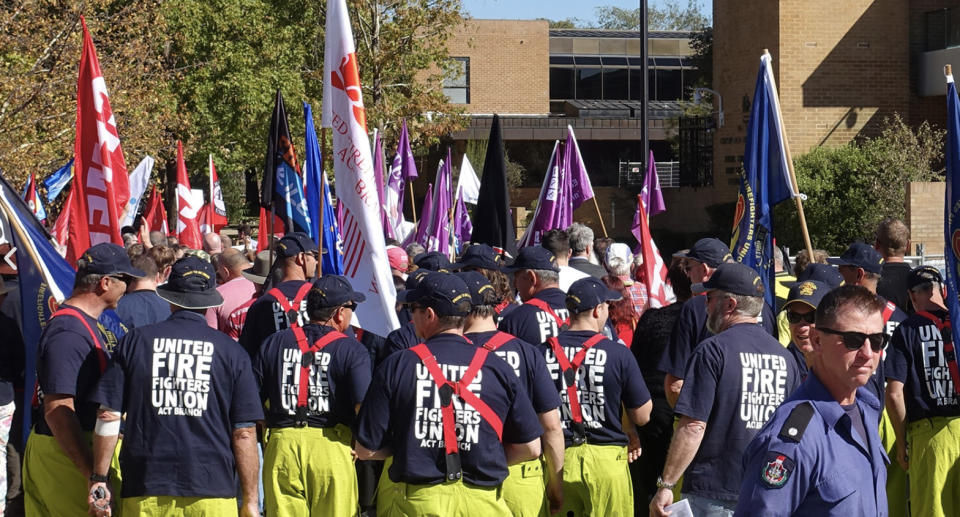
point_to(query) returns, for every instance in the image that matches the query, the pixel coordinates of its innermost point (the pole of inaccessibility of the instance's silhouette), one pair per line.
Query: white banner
(139, 179)
(468, 184)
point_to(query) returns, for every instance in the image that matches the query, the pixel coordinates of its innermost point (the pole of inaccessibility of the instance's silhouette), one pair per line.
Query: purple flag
(402, 170)
(580, 187)
(423, 225)
(651, 193)
(462, 227)
(439, 238)
(553, 205)
(378, 177)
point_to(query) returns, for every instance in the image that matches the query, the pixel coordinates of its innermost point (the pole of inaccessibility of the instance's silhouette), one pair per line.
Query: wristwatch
(98, 478)
(663, 484)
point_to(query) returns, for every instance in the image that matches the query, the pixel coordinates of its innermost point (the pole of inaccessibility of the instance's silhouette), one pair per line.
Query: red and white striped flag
(654, 270)
(188, 207)
(101, 183)
(364, 250)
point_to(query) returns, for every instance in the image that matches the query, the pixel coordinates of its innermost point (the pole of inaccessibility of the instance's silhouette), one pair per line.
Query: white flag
(139, 179)
(364, 251)
(468, 184)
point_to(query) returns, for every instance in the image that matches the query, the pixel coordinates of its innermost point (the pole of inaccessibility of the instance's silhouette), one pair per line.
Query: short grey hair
(749, 306)
(581, 237)
(547, 276)
(617, 266)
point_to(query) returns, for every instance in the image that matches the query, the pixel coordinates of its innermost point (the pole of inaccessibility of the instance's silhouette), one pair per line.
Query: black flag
(492, 223)
(282, 172)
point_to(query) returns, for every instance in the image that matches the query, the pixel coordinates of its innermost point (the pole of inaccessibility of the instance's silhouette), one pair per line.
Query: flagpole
(793, 175)
(413, 206)
(323, 195)
(600, 217)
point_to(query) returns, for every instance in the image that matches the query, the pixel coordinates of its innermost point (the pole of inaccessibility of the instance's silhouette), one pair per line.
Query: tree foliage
(852, 187)
(672, 16)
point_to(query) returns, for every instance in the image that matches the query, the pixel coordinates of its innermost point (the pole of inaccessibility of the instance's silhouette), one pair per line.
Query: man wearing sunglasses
(820, 453)
(313, 379)
(922, 397)
(800, 311)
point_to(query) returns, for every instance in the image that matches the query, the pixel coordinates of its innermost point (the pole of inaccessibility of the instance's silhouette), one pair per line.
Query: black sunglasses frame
(854, 340)
(795, 317)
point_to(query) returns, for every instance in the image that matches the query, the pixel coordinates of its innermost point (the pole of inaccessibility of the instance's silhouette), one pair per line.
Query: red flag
(30, 196)
(203, 220)
(654, 270)
(156, 215)
(218, 209)
(188, 208)
(101, 184)
(62, 226)
(263, 233)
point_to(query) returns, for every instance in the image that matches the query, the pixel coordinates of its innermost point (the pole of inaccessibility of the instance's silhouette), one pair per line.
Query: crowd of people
(541, 384)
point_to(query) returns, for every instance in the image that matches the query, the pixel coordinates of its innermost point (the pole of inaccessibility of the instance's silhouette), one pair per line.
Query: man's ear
(815, 340)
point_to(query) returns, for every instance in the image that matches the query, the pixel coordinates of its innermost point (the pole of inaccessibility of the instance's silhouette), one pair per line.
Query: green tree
(566, 23)
(702, 45)
(671, 16)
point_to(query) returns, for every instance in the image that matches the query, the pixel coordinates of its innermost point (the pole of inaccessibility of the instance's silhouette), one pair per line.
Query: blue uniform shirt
(915, 358)
(141, 308)
(402, 412)
(402, 338)
(183, 386)
(267, 316)
(338, 378)
(527, 362)
(608, 379)
(734, 382)
(532, 325)
(828, 470)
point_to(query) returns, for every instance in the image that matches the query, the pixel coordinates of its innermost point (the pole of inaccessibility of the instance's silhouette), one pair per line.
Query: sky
(556, 9)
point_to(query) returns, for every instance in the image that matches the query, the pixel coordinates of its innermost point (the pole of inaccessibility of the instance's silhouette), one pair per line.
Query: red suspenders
(291, 309)
(497, 340)
(569, 369)
(306, 359)
(460, 388)
(949, 352)
(101, 355)
(887, 312)
(542, 305)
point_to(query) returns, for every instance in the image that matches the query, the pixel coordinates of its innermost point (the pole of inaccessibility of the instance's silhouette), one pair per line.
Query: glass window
(561, 82)
(587, 60)
(456, 86)
(589, 83)
(561, 60)
(615, 83)
(636, 84)
(614, 61)
(669, 85)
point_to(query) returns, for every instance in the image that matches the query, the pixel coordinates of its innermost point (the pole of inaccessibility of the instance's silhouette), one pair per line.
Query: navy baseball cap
(335, 290)
(809, 292)
(732, 277)
(821, 273)
(295, 243)
(433, 261)
(860, 255)
(107, 258)
(479, 255)
(533, 257)
(709, 251)
(587, 293)
(192, 285)
(479, 286)
(446, 294)
(923, 275)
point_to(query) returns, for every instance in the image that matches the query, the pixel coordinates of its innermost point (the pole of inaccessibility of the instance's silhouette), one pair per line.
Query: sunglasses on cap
(796, 317)
(854, 340)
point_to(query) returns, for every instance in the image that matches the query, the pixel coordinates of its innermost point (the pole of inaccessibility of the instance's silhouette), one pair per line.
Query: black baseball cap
(533, 257)
(433, 261)
(732, 277)
(821, 273)
(107, 258)
(192, 285)
(923, 275)
(295, 243)
(446, 294)
(587, 293)
(709, 251)
(481, 256)
(808, 292)
(335, 290)
(478, 285)
(860, 255)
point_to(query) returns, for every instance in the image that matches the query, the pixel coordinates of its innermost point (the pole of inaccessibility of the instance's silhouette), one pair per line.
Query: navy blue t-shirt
(607, 380)
(68, 364)
(877, 383)
(402, 338)
(338, 378)
(690, 330)
(799, 359)
(267, 316)
(915, 358)
(528, 364)
(141, 308)
(734, 383)
(183, 386)
(532, 325)
(402, 412)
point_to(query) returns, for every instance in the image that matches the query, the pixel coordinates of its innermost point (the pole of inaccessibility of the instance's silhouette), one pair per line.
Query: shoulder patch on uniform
(777, 468)
(796, 423)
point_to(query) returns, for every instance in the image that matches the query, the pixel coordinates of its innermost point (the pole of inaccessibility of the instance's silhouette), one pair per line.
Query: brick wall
(514, 79)
(925, 215)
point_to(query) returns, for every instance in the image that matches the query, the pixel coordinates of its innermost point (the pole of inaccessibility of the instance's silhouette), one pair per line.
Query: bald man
(212, 243)
(235, 288)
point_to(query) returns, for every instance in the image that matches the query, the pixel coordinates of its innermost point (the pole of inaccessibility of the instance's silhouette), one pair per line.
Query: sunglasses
(796, 317)
(352, 306)
(854, 340)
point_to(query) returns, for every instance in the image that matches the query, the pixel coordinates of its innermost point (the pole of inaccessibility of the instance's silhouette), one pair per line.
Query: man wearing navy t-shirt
(800, 310)
(72, 355)
(452, 415)
(191, 407)
(543, 313)
(403, 337)
(734, 382)
(312, 380)
(285, 304)
(598, 380)
(922, 397)
(526, 480)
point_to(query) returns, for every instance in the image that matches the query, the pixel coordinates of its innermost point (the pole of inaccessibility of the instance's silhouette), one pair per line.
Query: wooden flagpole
(599, 216)
(793, 175)
(323, 157)
(413, 206)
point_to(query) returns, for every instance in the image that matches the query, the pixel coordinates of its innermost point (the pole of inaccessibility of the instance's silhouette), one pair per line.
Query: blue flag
(951, 212)
(57, 181)
(764, 182)
(317, 190)
(290, 190)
